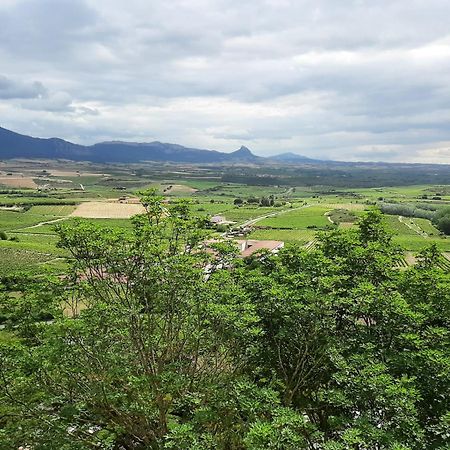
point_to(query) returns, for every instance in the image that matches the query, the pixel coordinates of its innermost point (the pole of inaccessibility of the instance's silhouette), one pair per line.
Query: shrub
(442, 220)
(406, 210)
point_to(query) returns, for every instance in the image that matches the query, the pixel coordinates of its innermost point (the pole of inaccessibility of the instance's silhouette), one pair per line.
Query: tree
(146, 344)
(331, 348)
(442, 220)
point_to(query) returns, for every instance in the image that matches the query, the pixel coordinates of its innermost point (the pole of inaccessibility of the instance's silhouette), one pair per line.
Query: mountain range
(15, 145)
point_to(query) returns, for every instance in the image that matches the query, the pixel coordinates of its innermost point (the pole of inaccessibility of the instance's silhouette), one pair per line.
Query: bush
(442, 220)
(406, 210)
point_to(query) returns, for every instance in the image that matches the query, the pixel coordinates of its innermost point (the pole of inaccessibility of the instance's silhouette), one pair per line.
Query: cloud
(343, 80)
(11, 89)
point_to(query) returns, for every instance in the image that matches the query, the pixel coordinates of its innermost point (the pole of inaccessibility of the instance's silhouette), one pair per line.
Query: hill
(14, 145)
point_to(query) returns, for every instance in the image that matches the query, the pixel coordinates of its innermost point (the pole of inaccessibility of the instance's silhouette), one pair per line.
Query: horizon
(242, 146)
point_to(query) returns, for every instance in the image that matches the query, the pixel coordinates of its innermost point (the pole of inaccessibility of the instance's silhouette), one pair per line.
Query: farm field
(17, 182)
(90, 192)
(107, 210)
(307, 217)
(298, 237)
(52, 210)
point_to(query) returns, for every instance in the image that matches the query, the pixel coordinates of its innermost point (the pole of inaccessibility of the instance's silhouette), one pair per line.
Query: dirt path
(327, 215)
(40, 224)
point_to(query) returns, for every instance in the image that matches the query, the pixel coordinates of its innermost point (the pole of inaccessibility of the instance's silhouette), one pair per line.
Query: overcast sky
(344, 80)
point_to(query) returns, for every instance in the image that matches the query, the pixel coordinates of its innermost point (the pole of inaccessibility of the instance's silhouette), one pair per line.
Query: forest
(149, 341)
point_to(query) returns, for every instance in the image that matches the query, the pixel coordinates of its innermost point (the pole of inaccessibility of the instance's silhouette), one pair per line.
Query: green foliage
(407, 210)
(139, 347)
(442, 220)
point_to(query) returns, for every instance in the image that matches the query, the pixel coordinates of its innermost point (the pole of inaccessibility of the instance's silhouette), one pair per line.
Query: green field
(16, 259)
(306, 217)
(12, 220)
(300, 237)
(52, 210)
(210, 195)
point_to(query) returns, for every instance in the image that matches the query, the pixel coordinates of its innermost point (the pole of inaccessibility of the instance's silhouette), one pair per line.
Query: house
(249, 246)
(217, 219)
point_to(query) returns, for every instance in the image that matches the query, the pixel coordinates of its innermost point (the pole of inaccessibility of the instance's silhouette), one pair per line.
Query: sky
(343, 80)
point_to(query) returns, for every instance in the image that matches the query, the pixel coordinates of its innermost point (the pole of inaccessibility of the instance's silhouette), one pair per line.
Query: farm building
(248, 247)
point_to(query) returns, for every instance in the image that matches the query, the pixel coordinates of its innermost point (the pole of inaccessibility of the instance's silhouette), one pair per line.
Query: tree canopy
(138, 347)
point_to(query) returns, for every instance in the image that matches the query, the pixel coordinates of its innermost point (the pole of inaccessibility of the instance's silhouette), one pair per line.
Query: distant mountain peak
(14, 145)
(243, 152)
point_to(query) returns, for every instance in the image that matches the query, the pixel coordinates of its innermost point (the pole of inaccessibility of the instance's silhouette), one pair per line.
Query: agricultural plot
(107, 210)
(33, 242)
(399, 227)
(243, 213)
(17, 181)
(177, 189)
(210, 209)
(300, 237)
(353, 207)
(427, 227)
(52, 210)
(409, 234)
(14, 220)
(23, 260)
(304, 218)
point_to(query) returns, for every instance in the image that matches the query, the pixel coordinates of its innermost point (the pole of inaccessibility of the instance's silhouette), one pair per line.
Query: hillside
(14, 145)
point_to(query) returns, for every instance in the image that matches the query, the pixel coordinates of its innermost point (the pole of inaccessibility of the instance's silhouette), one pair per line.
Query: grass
(413, 239)
(300, 237)
(342, 215)
(427, 226)
(19, 259)
(313, 216)
(11, 220)
(417, 243)
(243, 213)
(52, 210)
(399, 228)
(34, 242)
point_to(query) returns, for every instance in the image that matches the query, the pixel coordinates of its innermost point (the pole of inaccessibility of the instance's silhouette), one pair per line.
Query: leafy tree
(442, 220)
(332, 348)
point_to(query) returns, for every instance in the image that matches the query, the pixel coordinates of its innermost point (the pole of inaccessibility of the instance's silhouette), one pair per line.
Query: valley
(55, 192)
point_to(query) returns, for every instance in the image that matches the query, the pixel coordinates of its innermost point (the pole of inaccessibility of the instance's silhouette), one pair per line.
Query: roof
(248, 247)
